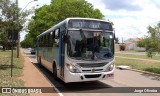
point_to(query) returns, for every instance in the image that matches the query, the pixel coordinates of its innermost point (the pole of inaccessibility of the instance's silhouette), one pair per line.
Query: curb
(155, 74)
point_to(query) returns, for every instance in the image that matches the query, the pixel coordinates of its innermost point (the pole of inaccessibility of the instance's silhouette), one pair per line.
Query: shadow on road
(86, 87)
(32, 56)
(151, 76)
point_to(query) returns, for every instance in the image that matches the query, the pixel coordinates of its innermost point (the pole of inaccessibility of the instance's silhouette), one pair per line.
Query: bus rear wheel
(39, 61)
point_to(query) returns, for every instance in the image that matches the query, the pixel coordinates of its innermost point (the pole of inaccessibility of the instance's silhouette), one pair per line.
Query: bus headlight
(72, 68)
(110, 67)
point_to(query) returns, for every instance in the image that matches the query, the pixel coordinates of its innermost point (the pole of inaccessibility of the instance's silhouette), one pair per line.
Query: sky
(130, 17)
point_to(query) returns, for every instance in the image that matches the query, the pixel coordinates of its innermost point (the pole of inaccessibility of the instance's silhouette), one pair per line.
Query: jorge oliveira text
(147, 90)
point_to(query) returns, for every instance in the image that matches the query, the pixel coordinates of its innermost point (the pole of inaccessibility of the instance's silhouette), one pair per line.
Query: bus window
(39, 41)
(57, 35)
(53, 35)
(50, 39)
(44, 39)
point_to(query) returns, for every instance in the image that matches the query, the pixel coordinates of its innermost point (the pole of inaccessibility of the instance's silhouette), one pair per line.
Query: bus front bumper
(82, 77)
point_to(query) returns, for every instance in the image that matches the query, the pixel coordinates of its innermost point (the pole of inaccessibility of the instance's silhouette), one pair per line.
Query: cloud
(25, 4)
(156, 2)
(129, 27)
(132, 19)
(121, 5)
(31, 3)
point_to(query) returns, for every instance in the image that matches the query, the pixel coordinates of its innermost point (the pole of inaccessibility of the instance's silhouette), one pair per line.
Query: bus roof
(65, 21)
(86, 19)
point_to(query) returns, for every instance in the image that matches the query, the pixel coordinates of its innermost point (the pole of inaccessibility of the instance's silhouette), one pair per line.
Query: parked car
(1, 47)
(33, 51)
(29, 48)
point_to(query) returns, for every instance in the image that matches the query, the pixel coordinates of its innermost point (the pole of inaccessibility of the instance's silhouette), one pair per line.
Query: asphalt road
(123, 79)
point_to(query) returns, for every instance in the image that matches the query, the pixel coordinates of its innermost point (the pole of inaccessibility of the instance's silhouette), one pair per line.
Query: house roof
(132, 40)
(137, 39)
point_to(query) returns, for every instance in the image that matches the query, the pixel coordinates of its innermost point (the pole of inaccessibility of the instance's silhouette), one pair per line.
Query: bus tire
(55, 72)
(39, 60)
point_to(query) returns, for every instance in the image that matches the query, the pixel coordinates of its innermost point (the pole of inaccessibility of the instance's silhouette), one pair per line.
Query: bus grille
(91, 65)
(92, 76)
(91, 71)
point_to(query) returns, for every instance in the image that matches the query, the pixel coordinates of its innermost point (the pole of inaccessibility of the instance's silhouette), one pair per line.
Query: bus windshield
(90, 45)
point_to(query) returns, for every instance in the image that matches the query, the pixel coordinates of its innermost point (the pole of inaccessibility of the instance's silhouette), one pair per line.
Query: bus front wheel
(55, 72)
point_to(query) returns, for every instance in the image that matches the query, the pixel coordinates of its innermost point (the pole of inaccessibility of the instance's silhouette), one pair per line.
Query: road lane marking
(30, 60)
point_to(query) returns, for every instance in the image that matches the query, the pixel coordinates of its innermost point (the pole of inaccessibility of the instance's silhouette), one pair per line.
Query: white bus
(78, 49)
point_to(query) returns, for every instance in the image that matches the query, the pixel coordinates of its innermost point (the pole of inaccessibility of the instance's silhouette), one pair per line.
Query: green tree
(49, 15)
(152, 41)
(3, 39)
(10, 19)
(27, 42)
(142, 43)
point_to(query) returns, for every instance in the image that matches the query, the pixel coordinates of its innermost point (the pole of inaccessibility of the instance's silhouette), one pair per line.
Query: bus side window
(53, 35)
(57, 35)
(39, 42)
(50, 39)
(44, 39)
(46, 42)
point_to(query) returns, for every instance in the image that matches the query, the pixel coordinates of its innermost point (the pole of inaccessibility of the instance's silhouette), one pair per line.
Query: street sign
(14, 36)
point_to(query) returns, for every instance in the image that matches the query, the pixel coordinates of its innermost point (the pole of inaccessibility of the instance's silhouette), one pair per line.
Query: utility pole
(12, 41)
(122, 40)
(18, 41)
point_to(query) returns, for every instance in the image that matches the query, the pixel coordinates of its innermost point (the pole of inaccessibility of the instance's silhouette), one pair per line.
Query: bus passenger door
(61, 54)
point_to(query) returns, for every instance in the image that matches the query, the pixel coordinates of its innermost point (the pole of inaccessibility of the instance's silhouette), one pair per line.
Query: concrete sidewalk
(33, 78)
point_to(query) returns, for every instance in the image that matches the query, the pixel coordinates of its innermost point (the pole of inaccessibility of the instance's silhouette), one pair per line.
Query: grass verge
(138, 56)
(140, 65)
(5, 72)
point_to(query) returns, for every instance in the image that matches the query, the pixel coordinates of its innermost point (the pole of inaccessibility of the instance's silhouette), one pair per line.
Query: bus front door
(61, 55)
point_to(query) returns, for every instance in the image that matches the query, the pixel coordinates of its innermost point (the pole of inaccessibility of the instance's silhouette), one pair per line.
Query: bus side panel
(55, 54)
(43, 53)
(48, 55)
(49, 58)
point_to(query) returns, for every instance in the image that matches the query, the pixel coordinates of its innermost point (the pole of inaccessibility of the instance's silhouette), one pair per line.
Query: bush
(154, 70)
(122, 47)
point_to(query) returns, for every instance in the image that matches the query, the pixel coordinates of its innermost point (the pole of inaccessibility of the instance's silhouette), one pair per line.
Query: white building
(131, 44)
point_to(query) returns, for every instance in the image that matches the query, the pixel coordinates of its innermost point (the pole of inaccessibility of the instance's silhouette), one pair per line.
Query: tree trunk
(4, 48)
